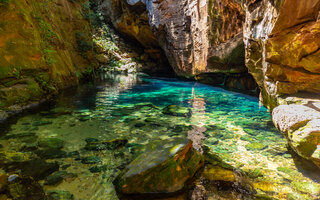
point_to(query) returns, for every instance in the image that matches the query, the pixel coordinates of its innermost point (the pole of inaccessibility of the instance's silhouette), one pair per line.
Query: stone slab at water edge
(163, 168)
(300, 124)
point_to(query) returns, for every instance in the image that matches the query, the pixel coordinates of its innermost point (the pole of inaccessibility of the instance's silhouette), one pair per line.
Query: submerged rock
(91, 160)
(58, 177)
(105, 145)
(162, 168)
(37, 168)
(177, 111)
(26, 188)
(41, 123)
(20, 135)
(52, 143)
(220, 181)
(217, 173)
(60, 195)
(97, 169)
(256, 146)
(51, 153)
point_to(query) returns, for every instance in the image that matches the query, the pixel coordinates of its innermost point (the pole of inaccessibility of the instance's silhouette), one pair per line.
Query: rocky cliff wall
(282, 47)
(282, 53)
(202, 39)
(44, 46)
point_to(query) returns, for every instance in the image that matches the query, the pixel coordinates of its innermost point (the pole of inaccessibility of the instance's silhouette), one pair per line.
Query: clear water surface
(130, 107)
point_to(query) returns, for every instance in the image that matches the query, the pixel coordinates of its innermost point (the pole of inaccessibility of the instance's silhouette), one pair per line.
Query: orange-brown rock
(282, 41)
(44, 45)
(162, 168)
(130, 18)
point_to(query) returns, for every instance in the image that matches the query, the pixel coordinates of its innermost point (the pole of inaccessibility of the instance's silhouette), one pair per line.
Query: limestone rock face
(181, 29)
(301, 126)
(282, 47)
(200, 38)
(130, 18)
(163, 168)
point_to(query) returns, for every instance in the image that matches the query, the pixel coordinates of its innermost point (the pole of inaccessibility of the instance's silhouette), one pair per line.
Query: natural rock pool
(121, 115)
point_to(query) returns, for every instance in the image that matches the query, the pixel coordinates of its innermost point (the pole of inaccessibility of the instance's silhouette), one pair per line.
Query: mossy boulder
(162, 168)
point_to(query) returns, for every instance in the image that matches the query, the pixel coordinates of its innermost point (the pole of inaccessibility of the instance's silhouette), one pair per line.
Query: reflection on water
(132, 108)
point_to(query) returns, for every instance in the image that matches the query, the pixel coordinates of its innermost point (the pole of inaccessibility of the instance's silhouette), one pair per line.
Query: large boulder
(163, 168)
(301, 126)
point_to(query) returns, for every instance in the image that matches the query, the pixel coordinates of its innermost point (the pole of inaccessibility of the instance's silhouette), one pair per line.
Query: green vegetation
(49, 39)
(4, 3)
(83, 44)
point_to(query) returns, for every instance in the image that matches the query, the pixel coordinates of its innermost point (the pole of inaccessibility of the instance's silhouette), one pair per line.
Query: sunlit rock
(282, 48)
(163, 168)
(301, 125)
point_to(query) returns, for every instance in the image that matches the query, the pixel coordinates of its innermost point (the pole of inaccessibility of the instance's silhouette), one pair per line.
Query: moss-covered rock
(38, 49)
(163, 168)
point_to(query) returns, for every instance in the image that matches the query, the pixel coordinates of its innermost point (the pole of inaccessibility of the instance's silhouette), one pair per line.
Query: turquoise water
(135, 109)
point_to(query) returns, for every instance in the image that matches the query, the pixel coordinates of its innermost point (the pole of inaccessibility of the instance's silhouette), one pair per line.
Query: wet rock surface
(301, 125)
(161, 169)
